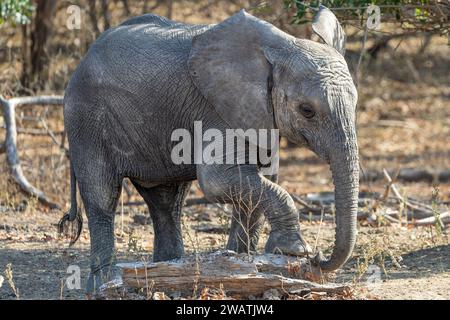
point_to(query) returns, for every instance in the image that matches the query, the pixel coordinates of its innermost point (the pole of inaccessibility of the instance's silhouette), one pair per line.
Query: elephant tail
(74, 218)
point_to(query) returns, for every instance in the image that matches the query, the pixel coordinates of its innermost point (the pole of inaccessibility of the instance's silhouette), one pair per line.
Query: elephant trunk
(345, 171)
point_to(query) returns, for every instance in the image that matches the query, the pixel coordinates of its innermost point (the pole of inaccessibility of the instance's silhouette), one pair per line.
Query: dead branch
(443, 219)
(34, 132)
(53, 137)
(361, 215)
(376, 203)
(238, 274)
(188, 202)
(411, 175)
(12, 155)
(395, 124)
(402, 199)
(317, 210)
(127, 188)
(218, 229)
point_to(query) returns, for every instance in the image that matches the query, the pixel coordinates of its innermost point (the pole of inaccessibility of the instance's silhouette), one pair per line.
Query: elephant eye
(307, 111)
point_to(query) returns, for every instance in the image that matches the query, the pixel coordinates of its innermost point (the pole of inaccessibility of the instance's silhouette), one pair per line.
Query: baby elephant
(148, 77)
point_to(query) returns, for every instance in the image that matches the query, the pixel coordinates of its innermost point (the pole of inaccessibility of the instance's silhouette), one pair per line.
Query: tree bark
(238, 274)
(25, 76)
(42, 30)
(126, 6)
(169, 9)
(93, 17)
(106, 15)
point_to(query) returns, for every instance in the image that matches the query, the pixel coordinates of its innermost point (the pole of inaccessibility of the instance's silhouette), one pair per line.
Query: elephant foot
(99, 281)
(287, 242)
(167, 253)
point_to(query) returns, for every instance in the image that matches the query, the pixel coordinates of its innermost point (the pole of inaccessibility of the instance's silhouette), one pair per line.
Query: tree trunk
(146, 9)
(93, 17)
(169, 9)
(106, 16)
(126, 6)
(42, 29)
(25, 76)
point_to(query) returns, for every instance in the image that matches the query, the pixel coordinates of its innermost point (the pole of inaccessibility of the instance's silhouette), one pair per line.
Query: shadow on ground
(41, 274)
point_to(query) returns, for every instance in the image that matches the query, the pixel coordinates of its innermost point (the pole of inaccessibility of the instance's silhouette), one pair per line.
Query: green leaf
(16, 11)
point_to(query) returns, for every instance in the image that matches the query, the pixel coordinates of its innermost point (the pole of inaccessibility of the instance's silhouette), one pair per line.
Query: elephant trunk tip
(330, 264)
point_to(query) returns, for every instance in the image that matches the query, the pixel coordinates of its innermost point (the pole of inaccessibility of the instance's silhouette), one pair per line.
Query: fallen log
(238, 275)
(212, 228)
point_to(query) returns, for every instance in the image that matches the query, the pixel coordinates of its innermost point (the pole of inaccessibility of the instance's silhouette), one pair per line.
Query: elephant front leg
(245, 229)
(252, 194)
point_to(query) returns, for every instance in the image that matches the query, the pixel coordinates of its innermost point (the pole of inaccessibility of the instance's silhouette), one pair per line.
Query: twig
(413, 70)
(395, 124)
(34, 132)
(307, 205)
(127, 189)
(412, 175)
(385, 195)
(399, 196)
(363, 50)
(53, 137)
(442, 219)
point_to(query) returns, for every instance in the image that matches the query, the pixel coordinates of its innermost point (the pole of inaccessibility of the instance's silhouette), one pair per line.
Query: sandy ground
(389, 262)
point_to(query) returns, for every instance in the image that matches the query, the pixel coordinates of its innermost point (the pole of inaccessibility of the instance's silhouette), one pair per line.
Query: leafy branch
(419, 15)
(16, 11)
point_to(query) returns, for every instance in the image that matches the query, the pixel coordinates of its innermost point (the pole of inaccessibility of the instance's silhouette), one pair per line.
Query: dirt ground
(389, 262)
(403, 122)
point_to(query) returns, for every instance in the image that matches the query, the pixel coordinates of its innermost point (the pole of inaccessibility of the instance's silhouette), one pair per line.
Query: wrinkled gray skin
(149, 76)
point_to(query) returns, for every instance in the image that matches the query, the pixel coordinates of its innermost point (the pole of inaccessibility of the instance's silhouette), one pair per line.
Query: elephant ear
(327, 27)
(228, 66)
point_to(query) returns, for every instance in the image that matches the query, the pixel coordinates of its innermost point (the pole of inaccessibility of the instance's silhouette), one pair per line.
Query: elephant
(149, 76)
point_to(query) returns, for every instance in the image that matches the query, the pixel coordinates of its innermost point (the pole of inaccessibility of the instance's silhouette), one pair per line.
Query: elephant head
(257, 76)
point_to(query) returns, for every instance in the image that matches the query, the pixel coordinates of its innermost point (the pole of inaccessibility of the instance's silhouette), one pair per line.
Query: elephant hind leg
(100, 190)
(165, 203)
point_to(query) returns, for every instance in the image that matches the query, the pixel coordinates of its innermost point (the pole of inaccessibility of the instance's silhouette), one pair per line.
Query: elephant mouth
(320, 151)
(304, 141)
